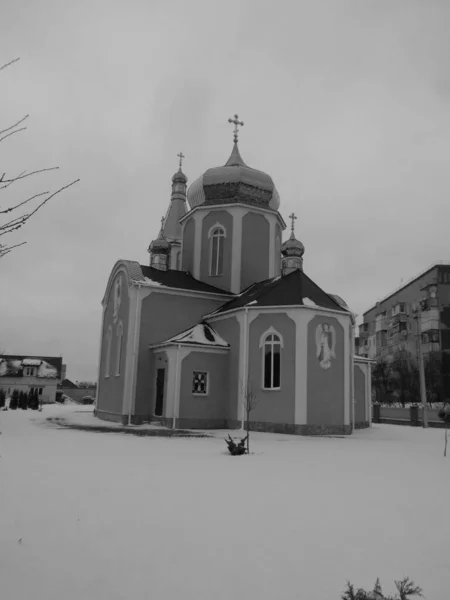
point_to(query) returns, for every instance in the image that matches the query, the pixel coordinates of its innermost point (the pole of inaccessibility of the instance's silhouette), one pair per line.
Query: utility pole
(421, 364)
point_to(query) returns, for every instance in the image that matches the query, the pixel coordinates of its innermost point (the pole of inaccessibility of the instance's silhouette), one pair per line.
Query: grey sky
(345, 104)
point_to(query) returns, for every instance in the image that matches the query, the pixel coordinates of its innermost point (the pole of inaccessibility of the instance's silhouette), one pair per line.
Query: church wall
(204, 411)
(360, 397)
(255, 249)
(187, 259)
(162, 316)
(274, 406)
(110, 389)
(225, 219)
(229, 330)
(325, 387)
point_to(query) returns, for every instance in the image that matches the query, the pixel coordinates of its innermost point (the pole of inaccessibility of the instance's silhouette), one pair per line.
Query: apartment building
(420, 305)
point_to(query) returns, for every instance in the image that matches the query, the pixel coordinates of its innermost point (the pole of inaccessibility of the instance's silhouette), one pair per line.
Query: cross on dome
(181, 156)
(293, 219)
(236, 123)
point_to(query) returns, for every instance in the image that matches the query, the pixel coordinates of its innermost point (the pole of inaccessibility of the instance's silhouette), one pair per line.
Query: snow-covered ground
(108, 516)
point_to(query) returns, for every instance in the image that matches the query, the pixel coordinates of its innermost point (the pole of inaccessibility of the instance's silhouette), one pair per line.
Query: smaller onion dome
(292, 247)
(179, 177)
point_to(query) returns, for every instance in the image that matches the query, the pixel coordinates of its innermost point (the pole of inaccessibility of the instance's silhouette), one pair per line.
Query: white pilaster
(301, 319)
(198, 219)
(271, 246)
(236, 251)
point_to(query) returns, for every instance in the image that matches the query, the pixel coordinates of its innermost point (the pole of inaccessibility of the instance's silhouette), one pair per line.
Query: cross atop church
(181, 156)
(236, 123)
(293, 219)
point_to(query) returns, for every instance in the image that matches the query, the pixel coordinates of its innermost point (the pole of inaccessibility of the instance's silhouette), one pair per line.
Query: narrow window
(108, 352)
(272, 362)
(217, 241)
(119, 347)
(40, 391)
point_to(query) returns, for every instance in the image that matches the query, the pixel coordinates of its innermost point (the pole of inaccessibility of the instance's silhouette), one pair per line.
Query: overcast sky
(345, 104)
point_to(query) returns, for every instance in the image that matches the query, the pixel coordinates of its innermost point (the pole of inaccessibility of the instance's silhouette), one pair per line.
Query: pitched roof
(293, 289)
(11, 365)
(66, 383)
(201, 334)
(172, 229)
(179, 280)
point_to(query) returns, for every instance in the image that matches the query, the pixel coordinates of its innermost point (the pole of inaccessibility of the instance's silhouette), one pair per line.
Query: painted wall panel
(224, 218)
(326, 394)
(214, 404)
(255, 249)
(187, 260)
(273, 406)
(110, 389)
(229, 330)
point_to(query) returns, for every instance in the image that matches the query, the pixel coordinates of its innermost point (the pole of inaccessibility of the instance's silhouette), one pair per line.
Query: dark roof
(66, 383)
(289, 290)
(14, 368)
(179, 279)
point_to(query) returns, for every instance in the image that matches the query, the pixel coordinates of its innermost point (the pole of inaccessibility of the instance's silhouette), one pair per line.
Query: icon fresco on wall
(325, 344)
(117, 298)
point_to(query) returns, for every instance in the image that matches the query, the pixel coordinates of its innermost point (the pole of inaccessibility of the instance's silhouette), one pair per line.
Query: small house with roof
(29, 373)
(224, 307)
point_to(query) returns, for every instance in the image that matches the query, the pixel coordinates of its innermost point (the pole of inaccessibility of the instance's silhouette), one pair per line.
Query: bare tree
(250, 402)
(25, 209)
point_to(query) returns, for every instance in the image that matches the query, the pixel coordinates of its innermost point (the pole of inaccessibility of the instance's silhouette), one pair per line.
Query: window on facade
(217, 244)
(40, 391)
(425, 338)
(108, 352)
(119, 347)
(200, 383)
(272, 361)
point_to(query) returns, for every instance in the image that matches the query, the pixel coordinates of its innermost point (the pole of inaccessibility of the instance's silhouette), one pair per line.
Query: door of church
(160, 376)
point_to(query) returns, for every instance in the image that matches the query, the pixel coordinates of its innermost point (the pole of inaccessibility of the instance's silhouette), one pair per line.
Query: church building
(223, 312)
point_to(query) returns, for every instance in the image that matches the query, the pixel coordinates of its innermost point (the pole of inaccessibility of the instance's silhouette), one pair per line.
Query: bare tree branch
(15, 124)
(22, 175)
(4, 250)
(12, 133)
(10, 63)
(7, 210)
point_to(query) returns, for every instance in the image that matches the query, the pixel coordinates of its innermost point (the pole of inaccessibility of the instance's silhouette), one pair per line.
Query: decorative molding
(217, 226)
(270, 331)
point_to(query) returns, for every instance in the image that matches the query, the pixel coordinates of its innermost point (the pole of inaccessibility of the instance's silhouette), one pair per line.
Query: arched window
(119, 347)
(108, 352)
(217, 238)
(271, 344)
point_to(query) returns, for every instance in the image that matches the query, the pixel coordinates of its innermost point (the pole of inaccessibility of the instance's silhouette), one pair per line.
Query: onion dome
(234, 182)
(159, 250)
(292, 247)
(292, 251)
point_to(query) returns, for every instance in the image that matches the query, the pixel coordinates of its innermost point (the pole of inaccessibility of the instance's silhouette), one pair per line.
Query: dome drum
(227, 193)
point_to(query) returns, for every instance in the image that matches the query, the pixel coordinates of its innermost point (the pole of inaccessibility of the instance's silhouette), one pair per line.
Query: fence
(405, 416)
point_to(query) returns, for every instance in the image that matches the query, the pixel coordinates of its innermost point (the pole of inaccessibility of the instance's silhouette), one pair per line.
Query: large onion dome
(234, 182)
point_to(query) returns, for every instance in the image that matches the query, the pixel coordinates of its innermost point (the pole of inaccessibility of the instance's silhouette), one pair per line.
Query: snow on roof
(47, 370)
(308, 302)
(152, 282)
(31, 362)
(201, 334)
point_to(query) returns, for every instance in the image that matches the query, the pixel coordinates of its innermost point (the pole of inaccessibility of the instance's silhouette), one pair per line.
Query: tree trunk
(248, 432)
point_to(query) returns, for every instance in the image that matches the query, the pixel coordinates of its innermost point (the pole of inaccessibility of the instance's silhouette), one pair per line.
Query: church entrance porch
(160, 378)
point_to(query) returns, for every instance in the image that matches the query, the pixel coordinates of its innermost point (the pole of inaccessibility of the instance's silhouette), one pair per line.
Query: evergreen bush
(2, 398)
(14, 402)
(23, 400)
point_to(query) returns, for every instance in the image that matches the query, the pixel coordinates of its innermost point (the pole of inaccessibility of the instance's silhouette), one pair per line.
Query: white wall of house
(24, 384)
